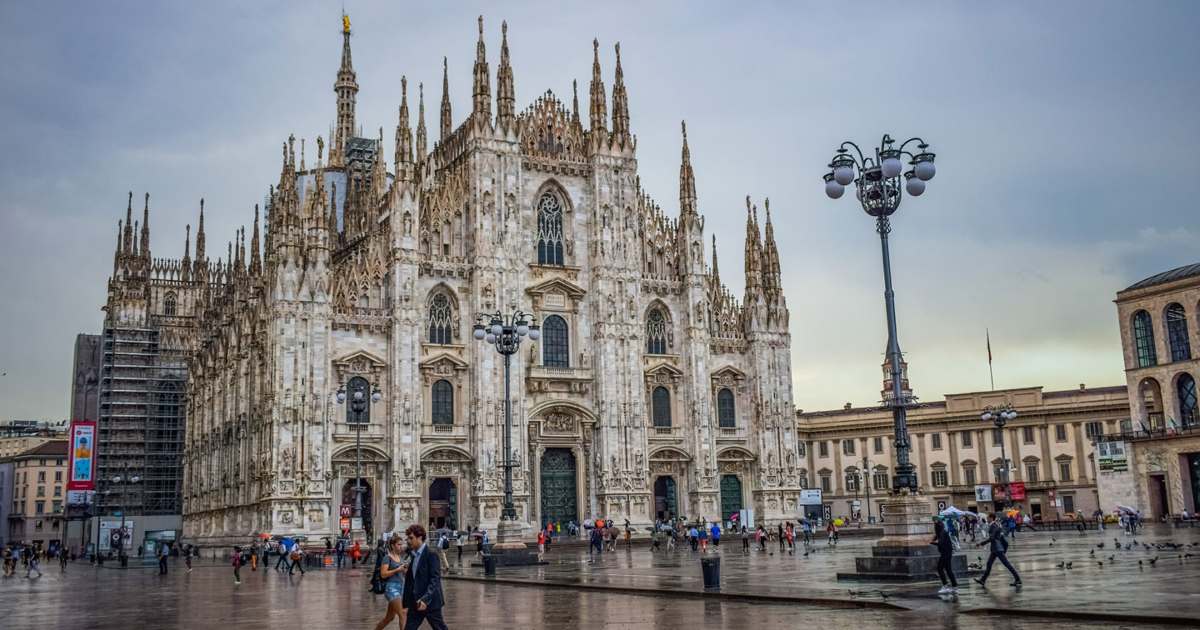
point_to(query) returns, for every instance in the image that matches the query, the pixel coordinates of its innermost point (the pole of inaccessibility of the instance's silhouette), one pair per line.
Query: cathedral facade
(652, 391)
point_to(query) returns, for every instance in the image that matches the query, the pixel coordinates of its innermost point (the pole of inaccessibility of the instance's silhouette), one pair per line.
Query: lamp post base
(510, 548)
(904, 552)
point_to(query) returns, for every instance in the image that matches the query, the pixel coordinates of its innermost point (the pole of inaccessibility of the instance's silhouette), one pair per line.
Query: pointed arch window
(169, 307)
(1143, 338)
(1186, 389)
(556, 345)
(441, 319)
(550, 230)
(726, 415)
(1177, 333)
(656, 332)
(660, 401)
(443, 403)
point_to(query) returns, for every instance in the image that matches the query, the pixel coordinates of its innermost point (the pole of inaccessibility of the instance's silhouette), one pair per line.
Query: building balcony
(1155, 432)
(726, 434)
(449, 432)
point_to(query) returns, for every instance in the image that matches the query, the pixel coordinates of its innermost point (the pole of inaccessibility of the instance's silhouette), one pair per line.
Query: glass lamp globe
(341, 396)
(490, 338)
(891, 166)
(843, 174)
(135, 479)
(925, 170)
(914, 186)
(833, 189)
(116, 479)
(987, 416)
(479, 333)
(497, 329)
(522, 329)
(535, 334)
(376, 396)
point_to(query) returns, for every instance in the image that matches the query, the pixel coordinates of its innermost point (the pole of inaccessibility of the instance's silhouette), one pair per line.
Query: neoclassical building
(652, 391)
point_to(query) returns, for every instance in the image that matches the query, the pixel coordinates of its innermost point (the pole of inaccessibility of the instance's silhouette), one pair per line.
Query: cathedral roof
(1178, 273)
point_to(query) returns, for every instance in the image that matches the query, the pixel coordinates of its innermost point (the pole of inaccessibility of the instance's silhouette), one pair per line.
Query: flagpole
(991, 376)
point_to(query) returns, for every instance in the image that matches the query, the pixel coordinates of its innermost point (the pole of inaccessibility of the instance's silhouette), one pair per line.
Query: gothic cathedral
(651, 393)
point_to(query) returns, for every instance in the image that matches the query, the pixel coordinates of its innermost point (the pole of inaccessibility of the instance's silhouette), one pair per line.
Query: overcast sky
(1066, 135)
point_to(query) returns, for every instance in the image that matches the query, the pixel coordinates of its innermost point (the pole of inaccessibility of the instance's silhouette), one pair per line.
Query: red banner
(83, 455)
(1016, 490)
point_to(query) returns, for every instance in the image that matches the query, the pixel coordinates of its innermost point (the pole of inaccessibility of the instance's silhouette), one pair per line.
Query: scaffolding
(141, 423)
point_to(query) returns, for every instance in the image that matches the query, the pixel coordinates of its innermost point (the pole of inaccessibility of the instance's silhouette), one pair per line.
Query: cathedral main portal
(559, 486)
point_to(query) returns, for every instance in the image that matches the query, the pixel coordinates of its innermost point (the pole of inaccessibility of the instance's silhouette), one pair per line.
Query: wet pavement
(637, 589)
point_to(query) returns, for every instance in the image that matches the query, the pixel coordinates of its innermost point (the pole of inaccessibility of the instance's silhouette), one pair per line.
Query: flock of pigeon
(1159, 548)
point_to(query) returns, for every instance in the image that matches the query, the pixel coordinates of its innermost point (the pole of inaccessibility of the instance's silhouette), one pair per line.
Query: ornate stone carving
(559, 423)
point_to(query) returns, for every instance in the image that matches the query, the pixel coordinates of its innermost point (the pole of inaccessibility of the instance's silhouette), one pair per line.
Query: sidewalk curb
(831, 602)
(1085, 616)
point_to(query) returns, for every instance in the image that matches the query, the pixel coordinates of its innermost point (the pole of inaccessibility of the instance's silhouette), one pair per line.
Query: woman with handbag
(391, 581)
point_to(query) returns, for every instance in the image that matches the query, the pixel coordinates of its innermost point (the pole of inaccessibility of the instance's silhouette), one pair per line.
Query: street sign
(347, 510)
(356, 523)
(811, 496)
(344, 524)
(941, 505)
(827, 511)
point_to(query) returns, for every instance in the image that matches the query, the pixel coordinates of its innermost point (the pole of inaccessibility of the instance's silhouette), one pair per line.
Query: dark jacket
(995, 540)
(941, 538)
(424, 581)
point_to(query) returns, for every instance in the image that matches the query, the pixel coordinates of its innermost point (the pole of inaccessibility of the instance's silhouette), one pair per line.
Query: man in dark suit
(998, 547)
(423, 584)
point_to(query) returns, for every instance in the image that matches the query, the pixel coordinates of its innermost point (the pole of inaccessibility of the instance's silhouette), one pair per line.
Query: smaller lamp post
(1000, 416)
(124, 481)
(359, 407)
(867, 484)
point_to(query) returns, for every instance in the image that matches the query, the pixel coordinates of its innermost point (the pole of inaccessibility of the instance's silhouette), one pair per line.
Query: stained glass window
(661, 401)
(441, 319)
(550, 230)
(555, 343)
(443, 402)
(726, 415)
(656, 332)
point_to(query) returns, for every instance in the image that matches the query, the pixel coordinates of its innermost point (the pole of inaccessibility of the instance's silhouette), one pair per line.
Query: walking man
(945, 547)
(998, 546)
(34, 564)
(339, 551)
(423, 584)
(163, 550)
(283, 554)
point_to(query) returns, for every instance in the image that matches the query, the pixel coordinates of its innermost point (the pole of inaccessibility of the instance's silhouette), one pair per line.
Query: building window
(42, 476)
(41, 491)
(169, 305)
(1031, 472)
(878, 445)
(1027, 435)
(935, 440)
(852, 480)
(969, 475)
(39, 507)
(1143, 337)
(1126, 426)
(656, 332)
(441, 319)
(57, 505)
(358, 394)
(1060, 432)
(803, 478)
(555, 344)
(1177, 333)
(725, 409)
(997, 437)
(966, 439)
(880, 480)
(1093, 429)
(998, 470)
(58, 491)
(443, 403)
(550, 230)
(823, 448)
(1064, 470)
(661, 400)
(826, 486)
(939, 477)
(1186, 389)
(800, 449)
(58, 473)
(847, 447)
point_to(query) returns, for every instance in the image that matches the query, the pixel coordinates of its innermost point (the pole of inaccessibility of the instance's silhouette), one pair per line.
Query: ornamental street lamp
(505, 333)
(877, 184)
(359, 407)
(867, 481)
(1000, 416)
(124, 481)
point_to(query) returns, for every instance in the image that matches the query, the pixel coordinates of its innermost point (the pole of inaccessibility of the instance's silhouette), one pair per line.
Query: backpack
(444, 542)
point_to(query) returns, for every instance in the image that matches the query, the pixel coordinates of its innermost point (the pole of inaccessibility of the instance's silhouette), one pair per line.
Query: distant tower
(346, 88)
(905, 389)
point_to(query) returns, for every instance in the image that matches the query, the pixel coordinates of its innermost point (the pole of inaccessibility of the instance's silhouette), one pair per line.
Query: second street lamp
(361, 410)
(1000, 416)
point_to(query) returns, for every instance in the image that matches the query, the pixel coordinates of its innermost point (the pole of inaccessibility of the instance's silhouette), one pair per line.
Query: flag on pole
(989, 344)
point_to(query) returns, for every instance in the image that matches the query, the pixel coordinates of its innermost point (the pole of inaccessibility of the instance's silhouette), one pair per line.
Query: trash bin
(711, 567)
(489, 564)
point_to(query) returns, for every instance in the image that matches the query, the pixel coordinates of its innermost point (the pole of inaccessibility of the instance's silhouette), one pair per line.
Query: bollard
(711, 568)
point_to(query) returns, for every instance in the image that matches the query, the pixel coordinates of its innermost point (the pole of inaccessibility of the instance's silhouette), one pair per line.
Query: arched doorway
(348, 499)
(443, 503)
(666, 498)
(731, 496)
(1152, 402)
(558, 485)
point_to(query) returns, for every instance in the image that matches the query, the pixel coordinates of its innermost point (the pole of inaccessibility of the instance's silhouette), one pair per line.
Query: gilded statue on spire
(345, 23)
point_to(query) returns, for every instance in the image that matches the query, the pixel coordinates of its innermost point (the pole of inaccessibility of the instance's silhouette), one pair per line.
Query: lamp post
(867, 484)
(505, 333)
(123, 481)
(1000, 416)
(359, 406)
(877, 185)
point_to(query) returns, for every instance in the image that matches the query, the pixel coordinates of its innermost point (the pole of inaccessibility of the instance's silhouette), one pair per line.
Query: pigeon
(1069, 564)
(883, 594)
(1092, 553)
(1139, 563)
(1053, 539)
(1101, 564)
(1100, 546)
(1153, 560)
(1188, 555)
(1057, 566)
(1112, 558)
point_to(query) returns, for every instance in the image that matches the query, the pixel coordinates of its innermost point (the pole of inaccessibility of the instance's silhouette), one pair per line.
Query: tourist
(462, 542)
(339, 551)
(693, 537)
(62, 561)
(716, 534)
(236, 561)
(296, 555)
(356, 554)
(391, 571)
(282, 552)
(790, 533)
(33, 563)
(443, 543)
(945, 547)
(998, 547)
(541, 543)
(595, 542)
(422, 584)
(187, 557)
(832, 531)
(806, 528)
(161, 552)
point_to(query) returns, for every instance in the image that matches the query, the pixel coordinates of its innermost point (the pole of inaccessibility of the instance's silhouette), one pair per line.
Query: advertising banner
(1111, 457)
(810, 496)
(83, 455)
(983, 493)
(1016, 490)
(111, 535)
